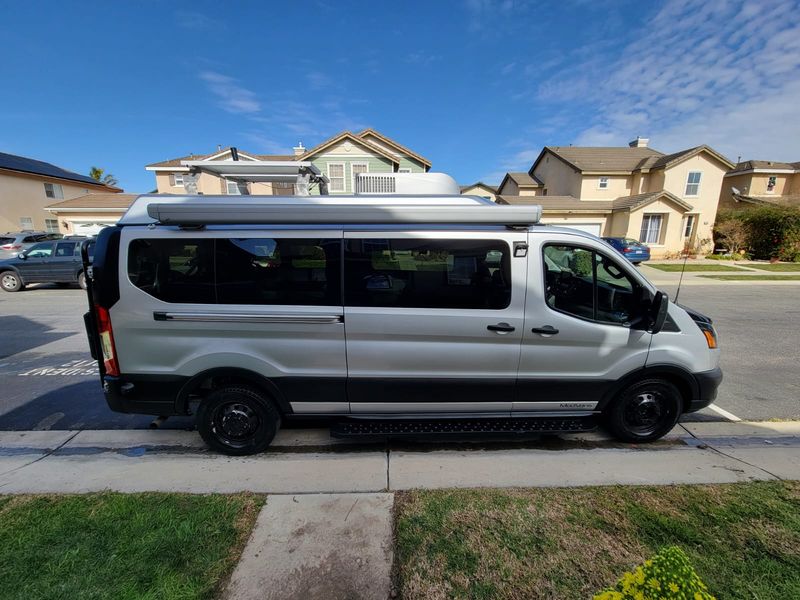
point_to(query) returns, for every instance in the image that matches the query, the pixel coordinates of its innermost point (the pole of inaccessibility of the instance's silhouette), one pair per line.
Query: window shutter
(172, 179)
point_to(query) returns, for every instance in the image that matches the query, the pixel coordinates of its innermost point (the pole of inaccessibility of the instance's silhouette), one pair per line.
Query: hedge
(773, 232)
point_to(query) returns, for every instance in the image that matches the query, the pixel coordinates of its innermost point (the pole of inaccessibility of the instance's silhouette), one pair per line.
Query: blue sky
(477, 86)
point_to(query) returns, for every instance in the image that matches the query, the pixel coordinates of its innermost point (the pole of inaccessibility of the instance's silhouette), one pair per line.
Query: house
(761, 182)
(340, 158)
(668, 201)
(27, 186)
(480, 189)
(87, 215)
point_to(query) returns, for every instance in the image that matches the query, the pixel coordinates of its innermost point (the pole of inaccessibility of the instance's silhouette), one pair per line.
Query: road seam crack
(43, 456)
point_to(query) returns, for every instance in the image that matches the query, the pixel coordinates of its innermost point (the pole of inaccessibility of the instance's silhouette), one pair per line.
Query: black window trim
(594, 279)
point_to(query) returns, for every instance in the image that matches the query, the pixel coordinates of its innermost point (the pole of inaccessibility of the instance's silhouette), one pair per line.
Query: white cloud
(702, 71)
(318, 80)
(232, 97)
(191, 19)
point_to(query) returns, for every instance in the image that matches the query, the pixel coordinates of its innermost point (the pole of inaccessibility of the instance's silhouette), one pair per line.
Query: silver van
(391, 315)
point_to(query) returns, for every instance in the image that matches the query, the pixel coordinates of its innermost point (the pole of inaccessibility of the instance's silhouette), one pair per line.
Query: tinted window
(428, 273)
(174, 270)
(40, 251)
(589, 285)
(279, 271)
(65, 248)
(6, 240)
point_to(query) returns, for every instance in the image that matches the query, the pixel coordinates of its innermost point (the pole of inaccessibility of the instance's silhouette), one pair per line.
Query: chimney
(299, 149)
(639, 142)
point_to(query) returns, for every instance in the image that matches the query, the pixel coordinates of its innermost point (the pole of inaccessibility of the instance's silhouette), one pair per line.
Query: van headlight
(709, 333)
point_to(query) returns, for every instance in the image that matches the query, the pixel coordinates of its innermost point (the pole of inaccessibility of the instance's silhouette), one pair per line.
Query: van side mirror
(658, 312)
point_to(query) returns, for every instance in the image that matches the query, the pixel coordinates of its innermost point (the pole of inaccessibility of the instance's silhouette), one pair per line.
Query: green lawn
(677, 267)
(776, 266)
(754, 277)
(121, 546)
(743, 539)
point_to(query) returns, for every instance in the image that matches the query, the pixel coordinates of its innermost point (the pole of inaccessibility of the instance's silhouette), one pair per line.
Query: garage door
(88, 227)
(593, 228)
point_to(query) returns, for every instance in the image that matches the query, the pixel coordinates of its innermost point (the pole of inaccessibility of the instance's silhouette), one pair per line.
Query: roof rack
(221, 210)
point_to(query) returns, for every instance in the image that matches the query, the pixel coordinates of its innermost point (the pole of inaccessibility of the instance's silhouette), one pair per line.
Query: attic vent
(374, 183)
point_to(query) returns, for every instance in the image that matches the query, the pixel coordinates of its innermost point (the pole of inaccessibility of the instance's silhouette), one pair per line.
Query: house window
(53, 190)
(688, 227)
(177, 180)
(26, 223)
(651, 229)
(355, 169)
(336, 176)
(771, 184)
(693, 183)
(404, 170)
(232, 188)
(603, 183)
(51, 225)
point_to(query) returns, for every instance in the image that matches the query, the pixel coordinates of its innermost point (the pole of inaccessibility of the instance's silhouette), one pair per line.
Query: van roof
(390, 209)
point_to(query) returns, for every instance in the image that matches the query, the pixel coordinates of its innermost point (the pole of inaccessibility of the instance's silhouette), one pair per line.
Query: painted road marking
(723, 412)
(68, 369)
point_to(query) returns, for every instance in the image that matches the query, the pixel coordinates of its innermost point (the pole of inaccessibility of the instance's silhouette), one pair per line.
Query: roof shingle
(102, 200)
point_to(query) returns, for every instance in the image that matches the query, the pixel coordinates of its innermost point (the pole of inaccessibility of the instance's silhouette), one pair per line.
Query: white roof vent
(406, 183)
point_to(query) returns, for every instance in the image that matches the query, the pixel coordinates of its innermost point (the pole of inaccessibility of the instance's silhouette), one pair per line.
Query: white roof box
(277, 210)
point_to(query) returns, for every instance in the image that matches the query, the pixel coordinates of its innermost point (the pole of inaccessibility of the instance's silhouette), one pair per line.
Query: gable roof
(614, 159)
(486, 186)
(670, 160)
(353, 137)
(522, 179)
(573, 204)
(21, 164)
(176, 162)
(641, 200)
(764, 165)
(101, 200)
(399, 147)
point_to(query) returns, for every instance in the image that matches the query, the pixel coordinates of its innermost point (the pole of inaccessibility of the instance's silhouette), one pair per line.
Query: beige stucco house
(340, 158)
(668, 201)
(761, 182)
(28, 186)
(87, 215)
(480, 189)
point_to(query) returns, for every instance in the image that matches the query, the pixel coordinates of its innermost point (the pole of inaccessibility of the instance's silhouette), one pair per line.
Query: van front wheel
(645, 411)
(237, 420)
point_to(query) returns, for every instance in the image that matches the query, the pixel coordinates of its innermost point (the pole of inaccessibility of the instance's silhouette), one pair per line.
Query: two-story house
(341, 158)
(28, 186)
(761, 182)
(668, 201)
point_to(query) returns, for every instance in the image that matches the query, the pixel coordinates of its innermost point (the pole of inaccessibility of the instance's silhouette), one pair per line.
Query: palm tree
(96, 173)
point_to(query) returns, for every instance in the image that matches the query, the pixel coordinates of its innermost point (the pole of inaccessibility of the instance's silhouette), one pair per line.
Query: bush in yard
(774, 231)
(731, 231)
(669, 574)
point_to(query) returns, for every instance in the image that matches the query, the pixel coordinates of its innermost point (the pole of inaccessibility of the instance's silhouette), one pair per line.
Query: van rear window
(238, 270)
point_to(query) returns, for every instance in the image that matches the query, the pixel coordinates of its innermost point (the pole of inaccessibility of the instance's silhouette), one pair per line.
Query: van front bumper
(144, 395)
(707, 384)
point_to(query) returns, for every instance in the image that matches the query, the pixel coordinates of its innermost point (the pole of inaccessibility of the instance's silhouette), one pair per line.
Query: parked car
(388, 318)
(634, 250)
(12, 243)
(56, 261)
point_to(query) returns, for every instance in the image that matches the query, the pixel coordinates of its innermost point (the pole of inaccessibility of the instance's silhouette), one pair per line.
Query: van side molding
(214, 317)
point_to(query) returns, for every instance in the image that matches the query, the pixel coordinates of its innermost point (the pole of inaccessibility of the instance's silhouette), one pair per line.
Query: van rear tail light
(107, 341)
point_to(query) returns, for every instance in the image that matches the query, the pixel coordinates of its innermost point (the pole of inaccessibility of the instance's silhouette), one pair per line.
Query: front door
(433, 320)
(33, 269)
(581, 325)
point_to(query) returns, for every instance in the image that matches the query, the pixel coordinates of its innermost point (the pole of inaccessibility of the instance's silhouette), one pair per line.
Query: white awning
(255, 170)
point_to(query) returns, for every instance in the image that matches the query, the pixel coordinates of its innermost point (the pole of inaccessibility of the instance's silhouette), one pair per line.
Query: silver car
(12, 243)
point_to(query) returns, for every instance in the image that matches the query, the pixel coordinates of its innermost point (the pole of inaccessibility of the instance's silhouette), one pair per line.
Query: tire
(82, 280)
(645, 411)
(10, 281)
(237, 420)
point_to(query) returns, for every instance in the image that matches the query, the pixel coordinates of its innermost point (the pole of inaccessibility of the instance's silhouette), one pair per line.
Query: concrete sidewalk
(309, 461)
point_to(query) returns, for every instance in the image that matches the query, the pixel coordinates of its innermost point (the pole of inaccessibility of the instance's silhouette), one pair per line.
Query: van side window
(428, 273)
(174, 270)
(279, 271)
(589, 285)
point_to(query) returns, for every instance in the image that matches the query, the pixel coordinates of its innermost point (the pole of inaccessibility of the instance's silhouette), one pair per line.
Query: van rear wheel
(237, 420)
(645, 411)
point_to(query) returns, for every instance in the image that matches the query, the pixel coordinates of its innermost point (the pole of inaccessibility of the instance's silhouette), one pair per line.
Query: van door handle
(546, 330)
(501, 328)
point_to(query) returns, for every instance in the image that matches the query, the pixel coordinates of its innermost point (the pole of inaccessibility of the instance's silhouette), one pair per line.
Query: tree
(734, 232)
(97, 174)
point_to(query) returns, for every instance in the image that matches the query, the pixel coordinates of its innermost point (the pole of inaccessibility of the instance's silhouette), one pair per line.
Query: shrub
(669, 574)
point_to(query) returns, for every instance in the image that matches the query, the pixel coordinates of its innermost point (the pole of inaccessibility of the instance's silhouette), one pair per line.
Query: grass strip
(678, 267)
(743, 539)
(753, 277)
(121, 546)
(776, 267)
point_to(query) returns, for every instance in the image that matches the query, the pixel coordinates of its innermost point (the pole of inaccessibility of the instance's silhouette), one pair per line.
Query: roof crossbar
(232, 213)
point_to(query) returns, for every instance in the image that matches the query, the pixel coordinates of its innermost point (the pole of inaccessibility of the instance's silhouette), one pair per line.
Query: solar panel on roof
(13, 162)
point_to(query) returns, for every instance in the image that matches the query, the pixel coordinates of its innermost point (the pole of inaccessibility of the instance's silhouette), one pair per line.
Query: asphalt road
(49, 381)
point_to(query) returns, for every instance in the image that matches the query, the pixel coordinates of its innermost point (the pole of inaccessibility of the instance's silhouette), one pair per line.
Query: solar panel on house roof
(13, 162)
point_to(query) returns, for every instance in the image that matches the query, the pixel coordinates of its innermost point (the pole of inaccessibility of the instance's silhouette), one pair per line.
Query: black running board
(362, 428)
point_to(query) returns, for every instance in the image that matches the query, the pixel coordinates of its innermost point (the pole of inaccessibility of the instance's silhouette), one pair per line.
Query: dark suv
(57, 261)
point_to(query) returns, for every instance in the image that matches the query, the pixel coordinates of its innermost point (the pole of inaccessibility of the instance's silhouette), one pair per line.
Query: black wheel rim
(235, 424)
(645, 412)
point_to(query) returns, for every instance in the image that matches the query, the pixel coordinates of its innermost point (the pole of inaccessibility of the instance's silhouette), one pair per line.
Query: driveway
(49, 380)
